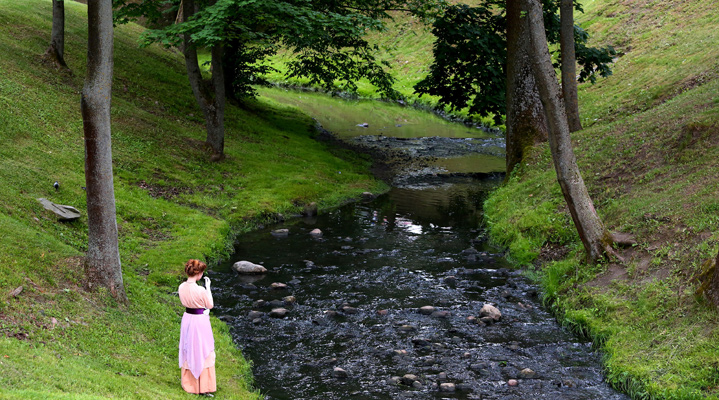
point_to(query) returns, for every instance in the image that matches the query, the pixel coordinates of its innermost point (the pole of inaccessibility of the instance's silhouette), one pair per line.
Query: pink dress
(197, 346)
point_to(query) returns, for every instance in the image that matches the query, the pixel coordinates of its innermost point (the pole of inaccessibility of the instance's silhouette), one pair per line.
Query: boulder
(64, 213)
(447, 387)
(527, 373)
(409, 379)
(491, 311)
(246, 267)
(339, 373)
(278, 312)
(426, 310)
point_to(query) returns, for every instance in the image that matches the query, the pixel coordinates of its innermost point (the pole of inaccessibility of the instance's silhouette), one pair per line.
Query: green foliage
(470, 55)
(468, 71)
(327, 38)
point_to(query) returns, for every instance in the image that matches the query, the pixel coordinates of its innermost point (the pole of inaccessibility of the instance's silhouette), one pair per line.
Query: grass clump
(58, 340)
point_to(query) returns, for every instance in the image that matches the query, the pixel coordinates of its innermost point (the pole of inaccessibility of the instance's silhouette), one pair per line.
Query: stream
(385, 304)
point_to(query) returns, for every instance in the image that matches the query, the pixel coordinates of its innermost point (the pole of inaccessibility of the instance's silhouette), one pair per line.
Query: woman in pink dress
(197, 346)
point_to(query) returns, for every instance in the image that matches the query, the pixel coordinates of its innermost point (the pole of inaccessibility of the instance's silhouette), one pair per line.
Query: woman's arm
(210, 300)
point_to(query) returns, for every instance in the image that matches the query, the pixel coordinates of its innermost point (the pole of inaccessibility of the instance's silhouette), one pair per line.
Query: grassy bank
(59, 341)
(649, 156)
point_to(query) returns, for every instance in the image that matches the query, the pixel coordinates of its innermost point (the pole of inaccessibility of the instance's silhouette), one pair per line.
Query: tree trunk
(526, 122)
(210, 95)
(569, 65)
(596, 239)
(102, 264)
(56, 51)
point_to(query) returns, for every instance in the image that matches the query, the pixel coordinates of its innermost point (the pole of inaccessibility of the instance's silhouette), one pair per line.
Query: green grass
(59, 341)
(649, 156)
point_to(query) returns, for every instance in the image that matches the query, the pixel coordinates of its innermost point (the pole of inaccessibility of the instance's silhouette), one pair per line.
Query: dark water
(357, 291)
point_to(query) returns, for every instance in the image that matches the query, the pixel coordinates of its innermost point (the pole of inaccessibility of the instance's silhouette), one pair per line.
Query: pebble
(289, 299)
(255, 314)
(281, 232)
(278, 286)
(441, 314)
(447, 387)
(527, 373)
(382, 312)
(339, 373)
(409, 379)
(426, 310)
(407, 328)
(276, 303)
(278, 312)
(491, 311)
(512, 382)
(349, 310)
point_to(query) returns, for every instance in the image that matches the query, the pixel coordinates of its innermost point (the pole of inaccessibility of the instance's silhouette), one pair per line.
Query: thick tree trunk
(569, 65)
(210, 95)
(102, 264)
(596, 239)
(56, 51)
(526, 122)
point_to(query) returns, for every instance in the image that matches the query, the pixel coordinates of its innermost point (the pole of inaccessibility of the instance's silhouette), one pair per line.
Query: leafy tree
(470, 52)
(102, 263)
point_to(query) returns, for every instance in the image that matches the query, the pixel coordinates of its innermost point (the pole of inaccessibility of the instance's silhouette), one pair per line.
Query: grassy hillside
(650, 158)
(59, 341)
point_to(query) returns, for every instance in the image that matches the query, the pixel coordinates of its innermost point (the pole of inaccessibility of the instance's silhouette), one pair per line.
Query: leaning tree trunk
(210, 95)
(569, 65)
(526, 122)
(102, 264)
(56, 51)
(596, 239)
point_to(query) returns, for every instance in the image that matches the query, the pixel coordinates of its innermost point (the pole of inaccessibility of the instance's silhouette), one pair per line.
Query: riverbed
(385, 303)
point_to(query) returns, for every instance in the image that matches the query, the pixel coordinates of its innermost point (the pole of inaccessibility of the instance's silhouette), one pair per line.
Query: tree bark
(526, 122)
(102, 264)
(595, 237)
(210, 95)
(569, 65)
(56, 51)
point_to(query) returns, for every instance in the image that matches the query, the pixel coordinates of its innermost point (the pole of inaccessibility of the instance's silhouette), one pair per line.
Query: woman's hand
(208, 282)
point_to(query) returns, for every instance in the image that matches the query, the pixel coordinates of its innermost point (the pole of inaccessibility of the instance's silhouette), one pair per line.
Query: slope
(60, 341)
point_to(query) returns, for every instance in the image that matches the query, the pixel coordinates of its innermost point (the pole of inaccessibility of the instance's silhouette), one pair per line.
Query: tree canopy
(326, 36)
(470, 54)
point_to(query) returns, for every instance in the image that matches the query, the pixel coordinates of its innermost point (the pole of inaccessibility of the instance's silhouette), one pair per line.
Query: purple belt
(194, 310)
